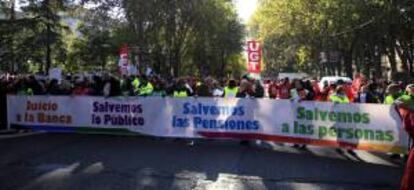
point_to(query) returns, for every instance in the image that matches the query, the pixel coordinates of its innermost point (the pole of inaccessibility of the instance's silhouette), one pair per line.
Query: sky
(245, 8)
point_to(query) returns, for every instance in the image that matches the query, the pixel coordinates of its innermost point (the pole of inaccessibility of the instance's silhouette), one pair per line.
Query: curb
(8, 131)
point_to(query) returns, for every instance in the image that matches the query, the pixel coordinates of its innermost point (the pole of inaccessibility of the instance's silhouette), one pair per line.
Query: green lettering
(379, 135)
(310, 130)
(369, 134)
(332, 116)
(341, 131)
(285, 128)
(323, 115)
(365, 118)
(358, 133)
(349, 133)
(389, 136)
(322, 132)
(332, 132)
(300, 113)
(342, 117)
(357, 118)
(309, 115)
(316, 114)
(295, 127)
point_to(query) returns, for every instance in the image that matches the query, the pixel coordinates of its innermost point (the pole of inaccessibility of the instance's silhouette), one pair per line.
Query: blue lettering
(95, 106)
(205, 124)
(205, 109)
(197, 121)
(186, 108)
(214, 110)
(256, 125)
(107, 119)
(241, 111)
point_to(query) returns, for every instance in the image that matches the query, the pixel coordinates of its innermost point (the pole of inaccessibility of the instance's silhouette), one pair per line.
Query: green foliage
(297, 31)
(32, 35)
(185, 37)
(176, 37)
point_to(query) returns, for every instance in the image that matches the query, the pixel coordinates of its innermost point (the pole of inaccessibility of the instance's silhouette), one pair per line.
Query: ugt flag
(254, 54)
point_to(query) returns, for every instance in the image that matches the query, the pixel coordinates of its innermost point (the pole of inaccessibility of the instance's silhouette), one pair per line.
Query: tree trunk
(377, 61)
(404, 63)
(393, 62)
(222, 65)
(348, 63)
(48, 30)
(12, 18)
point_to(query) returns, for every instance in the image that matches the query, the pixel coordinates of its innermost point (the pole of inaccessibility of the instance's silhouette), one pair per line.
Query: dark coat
(370, 98)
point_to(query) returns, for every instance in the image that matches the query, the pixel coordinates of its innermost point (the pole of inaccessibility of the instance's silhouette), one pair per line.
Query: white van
(333, 79)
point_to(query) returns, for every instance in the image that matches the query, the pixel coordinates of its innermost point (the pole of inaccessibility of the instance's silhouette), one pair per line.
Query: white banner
(359, 126)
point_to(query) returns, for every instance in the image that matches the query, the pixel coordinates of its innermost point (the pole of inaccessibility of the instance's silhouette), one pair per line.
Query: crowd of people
(361, 90)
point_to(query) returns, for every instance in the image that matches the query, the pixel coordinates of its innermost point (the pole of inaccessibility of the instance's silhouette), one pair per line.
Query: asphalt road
(100, 162)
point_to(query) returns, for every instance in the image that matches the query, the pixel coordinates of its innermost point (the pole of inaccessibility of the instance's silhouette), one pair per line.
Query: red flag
(357, 83)
(254, 53)
(123, 59)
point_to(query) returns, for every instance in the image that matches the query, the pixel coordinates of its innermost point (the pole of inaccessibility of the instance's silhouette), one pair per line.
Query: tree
(176, 37)
(362, 32)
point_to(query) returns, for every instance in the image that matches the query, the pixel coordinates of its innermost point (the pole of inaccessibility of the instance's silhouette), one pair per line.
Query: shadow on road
(65, 161)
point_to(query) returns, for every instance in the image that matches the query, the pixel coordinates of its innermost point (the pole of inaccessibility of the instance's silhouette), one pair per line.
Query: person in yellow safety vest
(339, 96)
(393, 93)
(181, 91)
(145, 88)
(180, 94)
(231, 90)
(135, 85)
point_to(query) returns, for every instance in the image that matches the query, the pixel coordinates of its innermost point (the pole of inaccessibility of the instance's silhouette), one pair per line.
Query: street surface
(99, 162)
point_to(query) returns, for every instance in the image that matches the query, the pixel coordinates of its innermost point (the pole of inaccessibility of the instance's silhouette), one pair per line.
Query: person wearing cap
(231, 90)
(405, 104)
(339, 96)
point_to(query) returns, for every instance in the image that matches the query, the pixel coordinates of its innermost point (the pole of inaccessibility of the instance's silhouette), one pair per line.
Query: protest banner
(358, 126)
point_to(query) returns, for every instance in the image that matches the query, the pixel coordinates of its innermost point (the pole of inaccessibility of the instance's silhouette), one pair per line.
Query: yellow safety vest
(180, 94)
(135, 84)
(389, 100)
(339, 99)
(230, 92)
(146, 90)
